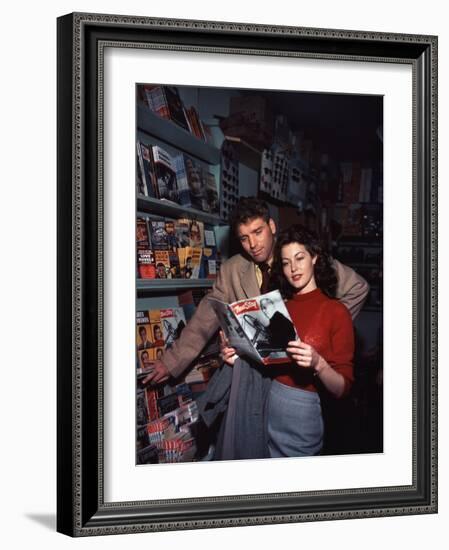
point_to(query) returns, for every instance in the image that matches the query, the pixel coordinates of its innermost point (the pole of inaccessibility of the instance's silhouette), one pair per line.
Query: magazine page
(233, 331)
(267, 324)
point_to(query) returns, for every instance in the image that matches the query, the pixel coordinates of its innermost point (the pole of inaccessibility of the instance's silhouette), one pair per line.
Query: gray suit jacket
(236, 280)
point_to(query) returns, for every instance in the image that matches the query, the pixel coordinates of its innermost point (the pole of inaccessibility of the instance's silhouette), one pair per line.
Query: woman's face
(298, 267)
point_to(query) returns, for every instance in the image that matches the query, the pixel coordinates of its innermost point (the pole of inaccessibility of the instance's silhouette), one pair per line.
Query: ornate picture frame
(82, 510)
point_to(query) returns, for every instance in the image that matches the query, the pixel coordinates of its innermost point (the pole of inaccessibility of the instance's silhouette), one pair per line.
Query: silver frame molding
(81, 41)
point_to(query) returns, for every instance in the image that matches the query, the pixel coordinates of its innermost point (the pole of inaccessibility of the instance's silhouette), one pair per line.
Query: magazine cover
(195, 181)
(173, 322)
(159, 236)
(212, 203)
(146, 168)
(259, 328)
(146, 264)
(165, 174)
(143, 331)
(182, 181)
(196, 233)
(182, 231)
(162, 261)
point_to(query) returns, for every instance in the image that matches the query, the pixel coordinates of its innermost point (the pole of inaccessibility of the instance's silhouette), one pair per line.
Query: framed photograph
(163, 126)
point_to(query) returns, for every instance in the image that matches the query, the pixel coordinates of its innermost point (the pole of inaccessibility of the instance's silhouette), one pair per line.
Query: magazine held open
(259, 328)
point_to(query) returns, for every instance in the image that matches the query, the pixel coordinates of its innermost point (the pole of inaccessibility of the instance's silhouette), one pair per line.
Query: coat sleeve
(198, 331)
(352, 289)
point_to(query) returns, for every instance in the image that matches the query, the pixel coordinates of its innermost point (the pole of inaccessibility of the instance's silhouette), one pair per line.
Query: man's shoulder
(235, 262)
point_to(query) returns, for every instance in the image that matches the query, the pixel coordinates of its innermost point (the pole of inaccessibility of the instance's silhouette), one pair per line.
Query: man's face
(143, 334)
(257, 238)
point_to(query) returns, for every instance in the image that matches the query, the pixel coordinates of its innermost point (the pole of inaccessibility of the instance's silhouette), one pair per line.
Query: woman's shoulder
(335, 307)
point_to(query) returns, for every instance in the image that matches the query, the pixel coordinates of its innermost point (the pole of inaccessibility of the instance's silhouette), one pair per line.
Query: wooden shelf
(162, 207)
(174, 135)
(162, 285)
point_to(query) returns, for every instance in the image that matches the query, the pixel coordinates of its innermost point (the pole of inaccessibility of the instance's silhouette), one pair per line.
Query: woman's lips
(296, 277)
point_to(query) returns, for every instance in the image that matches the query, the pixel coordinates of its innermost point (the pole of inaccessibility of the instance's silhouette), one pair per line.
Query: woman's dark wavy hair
(325, 276)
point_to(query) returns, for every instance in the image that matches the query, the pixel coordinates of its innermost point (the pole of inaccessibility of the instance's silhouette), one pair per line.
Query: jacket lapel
(249, 281)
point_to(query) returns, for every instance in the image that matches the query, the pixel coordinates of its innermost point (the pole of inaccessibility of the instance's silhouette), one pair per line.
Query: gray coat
(241, 394)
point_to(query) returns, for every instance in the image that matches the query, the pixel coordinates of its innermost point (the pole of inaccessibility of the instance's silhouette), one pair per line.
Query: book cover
(166, 103)
(157, 336)
(167, 403)
(182, 262)
(193, 262)
(196, 233)
(210, 263)
(143, 330)
(141, 411)
(141, 188)
(182, 231)
(175, 266)
(195, 182)
(165, 175)
(194, 123)
(162, 261)
(172, 243)
(146, 358)
(211, 203)
(146, 168)
(159, 237)
(182, 181)
(211, 259)
(146, 264)
(259, 328)
(142, 233)
(151, 397)
(187, 262)
(175, 107)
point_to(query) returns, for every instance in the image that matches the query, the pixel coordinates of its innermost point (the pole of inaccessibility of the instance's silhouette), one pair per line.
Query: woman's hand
(228, 354)
(304, 355)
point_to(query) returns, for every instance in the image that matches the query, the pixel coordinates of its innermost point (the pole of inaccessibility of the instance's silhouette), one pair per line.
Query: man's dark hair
(247, 209)
(325, 276)
(142, 329)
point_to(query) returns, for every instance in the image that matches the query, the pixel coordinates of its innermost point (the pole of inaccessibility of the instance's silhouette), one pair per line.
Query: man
(243, 276)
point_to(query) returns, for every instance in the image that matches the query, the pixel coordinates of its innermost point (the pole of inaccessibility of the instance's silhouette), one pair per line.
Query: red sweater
(326, 325)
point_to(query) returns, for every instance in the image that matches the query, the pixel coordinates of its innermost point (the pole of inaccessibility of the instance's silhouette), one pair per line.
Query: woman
(321, 360)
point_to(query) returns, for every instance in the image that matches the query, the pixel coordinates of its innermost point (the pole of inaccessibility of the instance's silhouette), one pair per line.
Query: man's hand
(159, 373)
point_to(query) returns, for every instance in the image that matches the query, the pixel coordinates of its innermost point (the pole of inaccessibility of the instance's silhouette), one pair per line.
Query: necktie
(265, 269)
